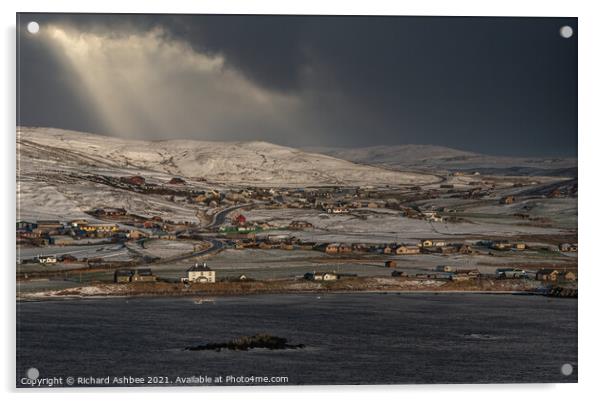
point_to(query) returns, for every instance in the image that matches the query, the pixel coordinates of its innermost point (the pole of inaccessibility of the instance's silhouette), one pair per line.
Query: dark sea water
(349, 338)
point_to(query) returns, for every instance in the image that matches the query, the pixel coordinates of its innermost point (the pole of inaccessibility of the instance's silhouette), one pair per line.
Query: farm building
(390, 263)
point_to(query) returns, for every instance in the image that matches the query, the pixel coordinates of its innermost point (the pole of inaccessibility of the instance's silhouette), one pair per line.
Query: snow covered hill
(256, 163)
(439, 158)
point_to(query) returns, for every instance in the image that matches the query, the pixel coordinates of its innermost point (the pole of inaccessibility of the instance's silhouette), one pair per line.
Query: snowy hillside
(430, 157)
(257, 163)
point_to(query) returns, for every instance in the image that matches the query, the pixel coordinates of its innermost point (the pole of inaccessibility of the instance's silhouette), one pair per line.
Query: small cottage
(143, 275)
(547, 275)
(568, 275)
(407, 250)
(321, 276)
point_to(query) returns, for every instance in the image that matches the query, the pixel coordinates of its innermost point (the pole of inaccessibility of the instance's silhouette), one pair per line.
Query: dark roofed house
(67, 258)
(26, 225)
(134, 275)
(122, 276)
(567, 275)
(177, 181)
(546, 275)
(48, 225)
(141, 275)
(134, 180)
(240, 220)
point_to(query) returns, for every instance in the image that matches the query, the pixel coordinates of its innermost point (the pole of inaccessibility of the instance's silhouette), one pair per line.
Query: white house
(46, 259)
(320, 276)
(200, 274)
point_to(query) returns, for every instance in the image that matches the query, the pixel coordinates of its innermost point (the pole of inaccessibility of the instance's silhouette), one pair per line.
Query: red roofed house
(240, 220)
(134, 180)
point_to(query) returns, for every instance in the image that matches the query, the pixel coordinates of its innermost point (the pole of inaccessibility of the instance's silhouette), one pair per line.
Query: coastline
(229, 289)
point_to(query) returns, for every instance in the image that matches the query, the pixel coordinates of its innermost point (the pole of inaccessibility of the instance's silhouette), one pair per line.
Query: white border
(590, 133)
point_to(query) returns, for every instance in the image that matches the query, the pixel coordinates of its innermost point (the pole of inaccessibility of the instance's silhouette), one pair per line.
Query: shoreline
(291, 287)
(155, 296)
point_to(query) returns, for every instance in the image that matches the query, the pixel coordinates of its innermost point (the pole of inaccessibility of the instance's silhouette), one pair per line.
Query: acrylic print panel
(284, 200)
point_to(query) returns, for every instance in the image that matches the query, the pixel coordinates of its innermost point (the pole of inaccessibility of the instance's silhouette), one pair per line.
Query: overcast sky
(492, 85)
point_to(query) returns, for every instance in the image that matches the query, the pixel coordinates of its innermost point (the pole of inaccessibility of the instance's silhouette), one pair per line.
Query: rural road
(215, 246)
(220, 217)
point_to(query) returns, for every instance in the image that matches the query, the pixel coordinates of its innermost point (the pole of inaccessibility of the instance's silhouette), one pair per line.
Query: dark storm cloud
(493, 85)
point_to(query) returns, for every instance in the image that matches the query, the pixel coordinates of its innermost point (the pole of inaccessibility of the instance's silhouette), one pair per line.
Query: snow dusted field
(164, 248)
(107, 251)
(386, 226)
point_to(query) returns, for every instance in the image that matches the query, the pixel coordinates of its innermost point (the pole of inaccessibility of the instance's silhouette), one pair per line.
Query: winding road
(220, 217)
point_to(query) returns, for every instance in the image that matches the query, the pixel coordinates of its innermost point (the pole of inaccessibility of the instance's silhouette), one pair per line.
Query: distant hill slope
(257, 163)
(430, 157)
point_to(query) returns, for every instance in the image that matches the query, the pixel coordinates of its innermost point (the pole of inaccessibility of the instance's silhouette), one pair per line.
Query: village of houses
(467, 228)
